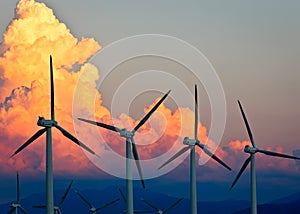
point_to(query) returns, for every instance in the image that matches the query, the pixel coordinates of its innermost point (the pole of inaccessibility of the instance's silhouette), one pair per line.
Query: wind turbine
(252, 150)
(57, 208)
(190, 145)
(93, 209)
(135, 211)
(130, 145)
(159, 211)
(48, 124)
(15, 206)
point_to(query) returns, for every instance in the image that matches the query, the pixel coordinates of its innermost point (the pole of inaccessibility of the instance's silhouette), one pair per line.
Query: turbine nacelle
(57, 209)
(127, 134)
(190, 142)
(15, 205)
(251, 150)
(46, 123)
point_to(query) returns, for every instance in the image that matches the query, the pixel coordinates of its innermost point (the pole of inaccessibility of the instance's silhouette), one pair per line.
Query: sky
(253, 47)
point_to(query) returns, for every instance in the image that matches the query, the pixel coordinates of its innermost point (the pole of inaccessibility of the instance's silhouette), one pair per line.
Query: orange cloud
(30, 38)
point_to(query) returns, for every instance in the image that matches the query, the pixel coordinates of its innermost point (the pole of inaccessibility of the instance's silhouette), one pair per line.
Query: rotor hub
(250, 150)
(125, 133)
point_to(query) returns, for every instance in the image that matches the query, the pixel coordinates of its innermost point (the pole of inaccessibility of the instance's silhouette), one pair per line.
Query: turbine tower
(190, 145)
(15, 206)
(57, 208)
(252, 150)
(48, 124)
(130, 145)
(93, 209)
(160, 211)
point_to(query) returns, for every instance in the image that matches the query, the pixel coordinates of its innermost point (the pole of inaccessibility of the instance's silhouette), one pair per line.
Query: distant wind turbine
(191, 146)
(130, 145)
(93, 209)
(159, 211)
(15, 206)
(252, 150)
(48, 124)
(57, 208)
(135, 211)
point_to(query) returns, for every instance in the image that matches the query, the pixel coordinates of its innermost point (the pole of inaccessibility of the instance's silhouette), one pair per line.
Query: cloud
(30, 38)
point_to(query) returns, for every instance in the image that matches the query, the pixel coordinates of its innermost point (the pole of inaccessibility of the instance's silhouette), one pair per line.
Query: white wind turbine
(135, 211)
(130, 145)
(57, 207)
(48, 124)
(252, 150)
(160, 211)
(190, 145)
(15, 206)
(93, 209)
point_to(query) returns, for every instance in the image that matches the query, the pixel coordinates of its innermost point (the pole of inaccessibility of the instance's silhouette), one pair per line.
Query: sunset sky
(253, 46)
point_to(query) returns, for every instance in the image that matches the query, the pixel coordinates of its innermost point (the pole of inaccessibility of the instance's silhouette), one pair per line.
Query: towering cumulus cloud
(33, 35)
(30, 38)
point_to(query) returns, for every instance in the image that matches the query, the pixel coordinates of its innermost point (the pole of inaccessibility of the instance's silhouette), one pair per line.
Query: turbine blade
(278, 154)
(52, 89)
(11, 210)
(40, 206)
(107, 204)
(137, 162)
(103, 125)
(146, 117)
(65, 194)
(151, 205)
(74, 139)
(122, 194)
(209, 153)
(18, 188)
(196, 113)
(241, 171)
(30, 140)
(247, 124)
(183, 150)
(84, 199)
(173, 205)
(23, 210)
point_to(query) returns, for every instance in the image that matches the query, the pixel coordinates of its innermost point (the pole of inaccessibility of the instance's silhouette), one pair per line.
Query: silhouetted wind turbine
(159, 211)
(135, 211)
(15, 206)
(93, 209)
(130, 145)
(48, 124)
(252, 150)
(57, 208)
(191, 146)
